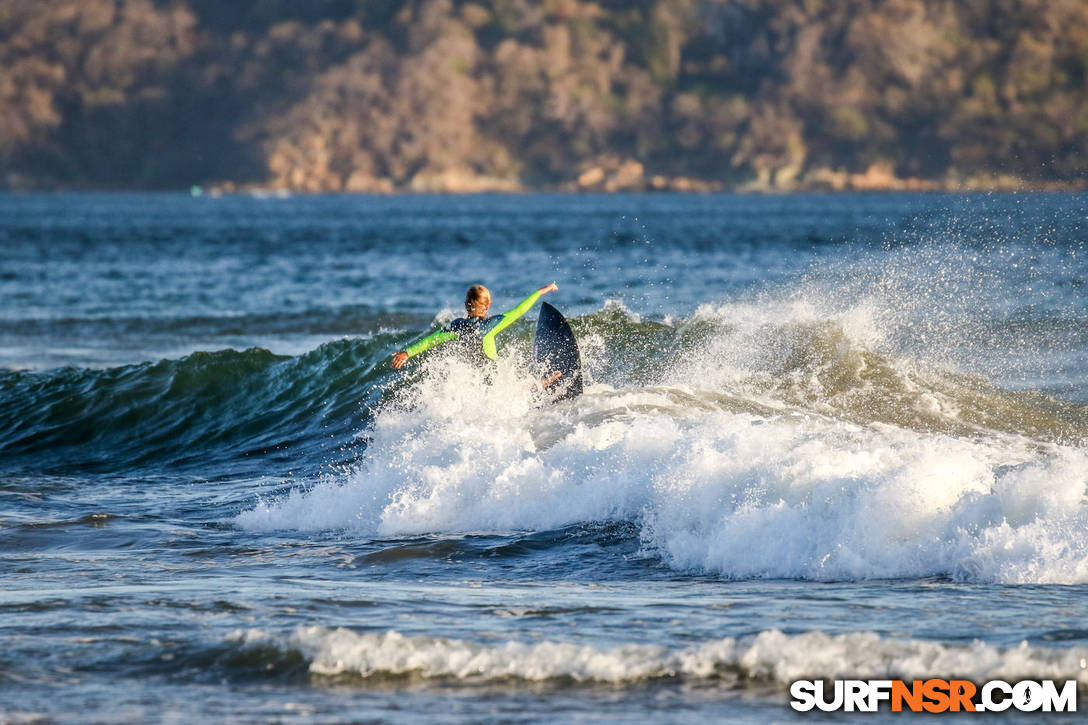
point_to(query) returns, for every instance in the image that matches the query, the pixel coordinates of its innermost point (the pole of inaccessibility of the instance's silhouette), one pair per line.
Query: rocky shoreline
(614, 175)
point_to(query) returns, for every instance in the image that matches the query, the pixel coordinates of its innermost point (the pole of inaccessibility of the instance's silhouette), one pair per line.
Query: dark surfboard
(555, 348)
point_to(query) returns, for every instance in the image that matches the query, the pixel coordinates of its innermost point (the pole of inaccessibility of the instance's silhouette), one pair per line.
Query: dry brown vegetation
(375, 95)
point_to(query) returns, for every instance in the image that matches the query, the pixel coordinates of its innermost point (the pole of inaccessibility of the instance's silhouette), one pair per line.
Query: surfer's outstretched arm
(509, 318)
(435, 338)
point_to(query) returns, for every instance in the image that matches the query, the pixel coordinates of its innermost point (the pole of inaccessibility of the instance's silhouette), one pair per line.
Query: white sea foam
(719, 473)
(770, 655)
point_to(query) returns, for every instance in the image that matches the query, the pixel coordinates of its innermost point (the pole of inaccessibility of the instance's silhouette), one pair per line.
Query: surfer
(477, 331)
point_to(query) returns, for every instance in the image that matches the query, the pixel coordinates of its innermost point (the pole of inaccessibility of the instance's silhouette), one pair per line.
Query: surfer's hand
(550, 380)
(399, 359)
(550, 288)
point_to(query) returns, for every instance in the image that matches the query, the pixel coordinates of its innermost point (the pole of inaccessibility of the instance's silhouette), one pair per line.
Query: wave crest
(769, 656)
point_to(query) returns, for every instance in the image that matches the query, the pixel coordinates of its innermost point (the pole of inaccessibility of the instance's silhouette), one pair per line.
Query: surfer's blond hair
(477, 300)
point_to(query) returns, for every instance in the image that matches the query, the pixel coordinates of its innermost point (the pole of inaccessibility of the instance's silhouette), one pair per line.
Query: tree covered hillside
(375, 95)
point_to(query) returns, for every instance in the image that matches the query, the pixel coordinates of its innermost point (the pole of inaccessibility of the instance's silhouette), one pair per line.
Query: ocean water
(823, 436)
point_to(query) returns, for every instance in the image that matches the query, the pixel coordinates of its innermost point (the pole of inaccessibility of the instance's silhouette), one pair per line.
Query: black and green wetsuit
(472, 329)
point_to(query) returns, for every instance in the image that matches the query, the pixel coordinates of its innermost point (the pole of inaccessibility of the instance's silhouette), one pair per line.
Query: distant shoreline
(266, 193)
(571, 95)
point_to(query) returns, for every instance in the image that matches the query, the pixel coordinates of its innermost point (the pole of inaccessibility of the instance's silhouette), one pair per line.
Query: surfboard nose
(555, 349)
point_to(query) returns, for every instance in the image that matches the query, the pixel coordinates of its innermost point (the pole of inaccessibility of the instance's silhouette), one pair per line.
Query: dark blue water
(823, 436)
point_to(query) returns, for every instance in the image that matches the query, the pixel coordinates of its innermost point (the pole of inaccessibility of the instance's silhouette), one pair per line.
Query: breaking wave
(770, 441)
(770, 657)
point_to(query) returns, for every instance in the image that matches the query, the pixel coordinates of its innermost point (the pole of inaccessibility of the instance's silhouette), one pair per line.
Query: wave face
(770, 657)
(217, 406)
(784, 439)
(773, 441)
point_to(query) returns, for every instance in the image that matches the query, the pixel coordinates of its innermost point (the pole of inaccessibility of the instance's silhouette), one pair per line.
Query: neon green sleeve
(508, 319)
(435, 338)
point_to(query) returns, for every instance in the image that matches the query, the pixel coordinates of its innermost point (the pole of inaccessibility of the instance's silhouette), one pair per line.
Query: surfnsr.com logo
(934, 695)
